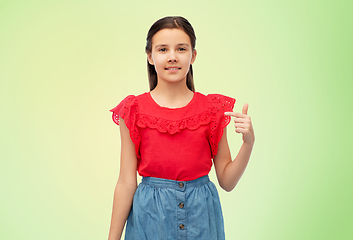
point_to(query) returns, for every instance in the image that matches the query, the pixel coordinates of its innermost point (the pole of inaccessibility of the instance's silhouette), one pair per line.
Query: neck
(168, 94)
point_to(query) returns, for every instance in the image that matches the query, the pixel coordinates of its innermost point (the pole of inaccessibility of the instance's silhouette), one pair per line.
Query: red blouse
(175, 143)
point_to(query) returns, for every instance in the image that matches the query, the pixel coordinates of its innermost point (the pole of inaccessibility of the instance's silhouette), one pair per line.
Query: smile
(172, 68)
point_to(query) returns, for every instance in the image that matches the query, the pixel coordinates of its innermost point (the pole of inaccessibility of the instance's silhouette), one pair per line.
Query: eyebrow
(165, 45)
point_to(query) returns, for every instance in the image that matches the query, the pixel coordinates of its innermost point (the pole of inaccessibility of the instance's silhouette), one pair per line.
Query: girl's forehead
(170, 36)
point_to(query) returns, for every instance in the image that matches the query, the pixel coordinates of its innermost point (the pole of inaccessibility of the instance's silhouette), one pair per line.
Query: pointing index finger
(233, 114)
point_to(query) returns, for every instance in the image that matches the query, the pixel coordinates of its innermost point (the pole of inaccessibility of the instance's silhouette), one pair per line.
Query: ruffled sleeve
(218, 104)
(128, 110)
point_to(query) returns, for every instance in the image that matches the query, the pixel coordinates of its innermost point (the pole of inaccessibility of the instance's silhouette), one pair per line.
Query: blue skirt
(165, 209)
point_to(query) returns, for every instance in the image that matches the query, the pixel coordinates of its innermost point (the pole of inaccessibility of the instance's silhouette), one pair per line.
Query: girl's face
(171, 55)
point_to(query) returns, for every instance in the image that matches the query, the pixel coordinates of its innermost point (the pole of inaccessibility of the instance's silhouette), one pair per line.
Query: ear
(149, 58)
(194, 53)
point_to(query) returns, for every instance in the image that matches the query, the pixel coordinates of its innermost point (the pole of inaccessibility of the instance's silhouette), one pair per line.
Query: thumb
(245, 108)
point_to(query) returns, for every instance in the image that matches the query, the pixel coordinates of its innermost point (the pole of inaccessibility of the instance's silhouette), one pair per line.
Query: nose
(172, 58)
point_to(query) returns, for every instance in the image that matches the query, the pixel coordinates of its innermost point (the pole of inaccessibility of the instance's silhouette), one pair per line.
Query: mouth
(172, 68)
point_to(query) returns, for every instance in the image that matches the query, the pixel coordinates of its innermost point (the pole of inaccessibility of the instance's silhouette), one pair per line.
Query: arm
(229, 172)
(126, 185)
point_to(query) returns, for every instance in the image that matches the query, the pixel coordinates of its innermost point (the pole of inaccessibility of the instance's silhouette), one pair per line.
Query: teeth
(173, 68)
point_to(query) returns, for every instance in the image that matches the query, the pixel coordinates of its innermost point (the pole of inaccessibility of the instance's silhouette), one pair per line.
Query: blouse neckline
(167, 108)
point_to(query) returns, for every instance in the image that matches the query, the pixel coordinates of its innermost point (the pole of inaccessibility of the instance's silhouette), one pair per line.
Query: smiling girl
(170, 135)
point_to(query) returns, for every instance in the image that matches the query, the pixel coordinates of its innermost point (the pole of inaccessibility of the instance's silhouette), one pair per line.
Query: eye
(182, 49)
(162, 50)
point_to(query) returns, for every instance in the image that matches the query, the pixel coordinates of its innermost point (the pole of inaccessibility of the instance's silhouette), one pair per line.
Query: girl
(170, 136)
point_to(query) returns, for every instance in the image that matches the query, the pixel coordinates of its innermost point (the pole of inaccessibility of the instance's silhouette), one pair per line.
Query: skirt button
(181, 226)
(181, 205)
(181, 184)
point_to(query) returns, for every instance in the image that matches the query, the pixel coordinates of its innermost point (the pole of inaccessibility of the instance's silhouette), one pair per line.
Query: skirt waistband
(178, 185)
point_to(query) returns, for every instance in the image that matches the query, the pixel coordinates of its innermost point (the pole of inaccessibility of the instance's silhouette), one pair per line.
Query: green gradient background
(64, 64)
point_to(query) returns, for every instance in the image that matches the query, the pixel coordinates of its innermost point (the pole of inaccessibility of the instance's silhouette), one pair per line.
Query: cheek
(186, 60)
(159, 65)
(159, 60)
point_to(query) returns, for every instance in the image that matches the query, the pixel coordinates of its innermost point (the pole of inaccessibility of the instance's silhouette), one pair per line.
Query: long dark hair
(169, 22)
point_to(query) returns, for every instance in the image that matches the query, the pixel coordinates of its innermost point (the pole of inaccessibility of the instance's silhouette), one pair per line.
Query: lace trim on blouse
(214, 116)
(172, 127)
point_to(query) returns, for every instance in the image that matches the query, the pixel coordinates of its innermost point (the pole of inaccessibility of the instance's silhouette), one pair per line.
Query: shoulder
(219, 98)
(130, 100)
(218, 104)
(218, 101)
(127, 102)
(135, 98)
(142, 96)
(127, 109)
